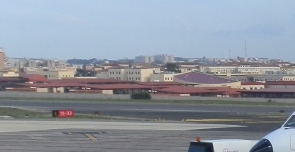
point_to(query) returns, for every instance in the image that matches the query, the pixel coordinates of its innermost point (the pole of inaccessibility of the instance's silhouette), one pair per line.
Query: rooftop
(200, 78)
(252, 83)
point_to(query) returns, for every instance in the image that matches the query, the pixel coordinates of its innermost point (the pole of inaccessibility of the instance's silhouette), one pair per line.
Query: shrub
(142, 95)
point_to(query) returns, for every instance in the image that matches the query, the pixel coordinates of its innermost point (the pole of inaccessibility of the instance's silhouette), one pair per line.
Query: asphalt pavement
(161, 127)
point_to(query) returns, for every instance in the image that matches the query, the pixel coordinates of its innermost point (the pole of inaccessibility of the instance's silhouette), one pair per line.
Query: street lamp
(226, 88)
(184, 84)
(154, 80)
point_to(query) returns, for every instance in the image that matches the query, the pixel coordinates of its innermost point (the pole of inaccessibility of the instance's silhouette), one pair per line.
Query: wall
(162, 77)
(252, 87)
(42, 90)
(107, 92)
(140, 75)
(118, 74)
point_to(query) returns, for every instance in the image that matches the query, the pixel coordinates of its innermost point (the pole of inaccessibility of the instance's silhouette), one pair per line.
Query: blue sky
(114, 29)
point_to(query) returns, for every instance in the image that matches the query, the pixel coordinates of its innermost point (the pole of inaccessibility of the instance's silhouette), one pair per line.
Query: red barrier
(65, 113)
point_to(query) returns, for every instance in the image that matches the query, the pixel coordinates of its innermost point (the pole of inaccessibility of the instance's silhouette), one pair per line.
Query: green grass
(26, 114)
(21, 113)
(194, 102)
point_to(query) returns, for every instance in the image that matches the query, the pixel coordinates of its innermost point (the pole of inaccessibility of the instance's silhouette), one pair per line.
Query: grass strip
(201, 102)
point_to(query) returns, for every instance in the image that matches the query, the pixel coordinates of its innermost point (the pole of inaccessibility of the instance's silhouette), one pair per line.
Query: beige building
(9, 74)
(140, 75)
(162, 77)
(2, 59)
(288, 78)
(54, 74)
(119, 74)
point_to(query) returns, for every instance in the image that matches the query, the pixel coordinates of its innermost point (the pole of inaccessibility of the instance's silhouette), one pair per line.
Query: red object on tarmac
(65, 113)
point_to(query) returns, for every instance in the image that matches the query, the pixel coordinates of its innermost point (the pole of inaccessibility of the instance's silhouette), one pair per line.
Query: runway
(85, 136)
(159, 127)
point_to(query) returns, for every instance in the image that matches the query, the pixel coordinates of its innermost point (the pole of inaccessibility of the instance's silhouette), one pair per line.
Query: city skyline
(118, 29)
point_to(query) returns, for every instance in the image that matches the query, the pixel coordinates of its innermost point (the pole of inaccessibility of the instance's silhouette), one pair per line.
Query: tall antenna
(229, 54)
(245, 50)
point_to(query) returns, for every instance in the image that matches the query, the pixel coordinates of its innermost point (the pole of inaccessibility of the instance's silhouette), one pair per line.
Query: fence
(77, 96)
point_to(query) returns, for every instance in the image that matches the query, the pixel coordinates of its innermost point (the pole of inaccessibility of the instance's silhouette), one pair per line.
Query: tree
(172, 67)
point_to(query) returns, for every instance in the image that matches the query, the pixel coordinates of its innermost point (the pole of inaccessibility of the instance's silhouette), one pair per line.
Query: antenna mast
(245, 50)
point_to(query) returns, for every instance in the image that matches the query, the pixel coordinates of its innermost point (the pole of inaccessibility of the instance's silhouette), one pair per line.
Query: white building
(163, 58)
(144, 59)
(244, 69)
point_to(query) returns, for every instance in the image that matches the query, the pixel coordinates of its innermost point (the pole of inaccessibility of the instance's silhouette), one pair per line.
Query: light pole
(154, 80)
(184, 84)
(226, 88)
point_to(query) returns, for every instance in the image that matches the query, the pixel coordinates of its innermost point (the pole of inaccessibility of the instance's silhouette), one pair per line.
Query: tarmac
(104, 136)
(159, 128)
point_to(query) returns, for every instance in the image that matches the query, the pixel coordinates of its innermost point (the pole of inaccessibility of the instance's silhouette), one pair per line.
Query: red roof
(280, 83)
(33, 78)
(6, 79)
(86, 80)
(191, 90)
(252, 83)
(159, 83)
(42, 85)
(118, 86)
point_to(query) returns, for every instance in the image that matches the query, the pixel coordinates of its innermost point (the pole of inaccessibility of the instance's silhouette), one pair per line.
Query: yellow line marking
(90, 137)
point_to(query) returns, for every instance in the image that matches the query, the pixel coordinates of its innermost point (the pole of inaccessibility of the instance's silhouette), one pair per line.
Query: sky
(115, 29)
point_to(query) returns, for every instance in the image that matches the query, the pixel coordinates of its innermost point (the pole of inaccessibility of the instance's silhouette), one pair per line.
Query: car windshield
(290, 122)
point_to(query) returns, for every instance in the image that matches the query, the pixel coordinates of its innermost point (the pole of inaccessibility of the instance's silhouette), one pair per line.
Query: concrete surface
(62, 136)
(31, 125)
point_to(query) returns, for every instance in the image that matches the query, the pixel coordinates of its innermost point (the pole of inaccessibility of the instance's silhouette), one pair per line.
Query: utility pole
(245, 50)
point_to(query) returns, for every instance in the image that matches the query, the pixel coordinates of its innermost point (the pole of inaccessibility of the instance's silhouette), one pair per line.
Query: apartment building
(244, 69)
(2, 59)
(144, 59)
(140, 75)
(188, 67)
(164, 58)
(54, 74)
(119, 74)
(220, 69)
(247, 69)
(132, 74)
(162, 77)
(55, 63)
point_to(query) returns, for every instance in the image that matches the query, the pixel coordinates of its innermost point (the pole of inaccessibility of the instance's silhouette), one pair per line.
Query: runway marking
(90, 137)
